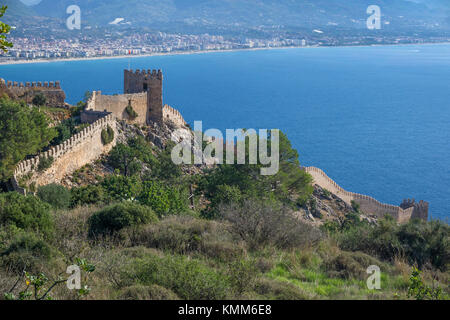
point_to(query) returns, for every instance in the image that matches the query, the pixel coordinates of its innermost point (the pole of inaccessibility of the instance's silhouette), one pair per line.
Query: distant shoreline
(202, 52)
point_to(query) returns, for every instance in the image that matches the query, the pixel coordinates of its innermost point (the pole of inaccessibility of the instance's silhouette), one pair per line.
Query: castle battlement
(88, 134)
(157, 74)
(173, 115)
(39, 84)
(403, 213)
(26, 91)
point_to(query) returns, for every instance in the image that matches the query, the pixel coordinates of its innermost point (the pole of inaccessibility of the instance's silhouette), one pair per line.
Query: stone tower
(420, 208)
(149, 81)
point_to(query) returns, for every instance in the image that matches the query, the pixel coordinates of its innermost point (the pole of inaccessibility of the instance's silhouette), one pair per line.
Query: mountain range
(396, 14)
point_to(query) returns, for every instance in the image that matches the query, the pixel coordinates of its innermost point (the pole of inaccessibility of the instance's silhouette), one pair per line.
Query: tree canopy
(24, 131)
(4, 30)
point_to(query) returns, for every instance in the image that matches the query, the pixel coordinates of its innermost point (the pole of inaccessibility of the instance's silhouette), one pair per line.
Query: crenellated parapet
(173, 115)
(79, 149)
(26, 91)
(402, 213)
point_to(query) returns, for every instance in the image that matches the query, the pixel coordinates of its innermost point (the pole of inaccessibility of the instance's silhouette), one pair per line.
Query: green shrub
(242, 274)
(426, 242)
(107, 135)
(45, 163)
(91, 194)
(186, 235)
(152, 292)
(25, 252)
(130, 112)
(125, 159)
(420, 291)
(189, 279)
(39, 100)
(118, 216)
(224, 195)
(122, 188)
(178, 234)
(261, 224)
(419, 241)
(26, 213)
(348, 265)
(279, 290)
(56, 195)
(163, 199)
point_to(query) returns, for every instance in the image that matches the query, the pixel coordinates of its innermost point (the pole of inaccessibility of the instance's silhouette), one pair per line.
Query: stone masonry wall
(367, 204)
(51, 90)
(116, 104)
(69, 156)
(173, 115)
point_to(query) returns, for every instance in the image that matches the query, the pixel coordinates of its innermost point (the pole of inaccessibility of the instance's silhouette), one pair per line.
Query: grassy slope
(191, 258)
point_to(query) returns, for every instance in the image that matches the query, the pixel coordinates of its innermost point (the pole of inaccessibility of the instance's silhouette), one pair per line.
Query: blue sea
(375, 119)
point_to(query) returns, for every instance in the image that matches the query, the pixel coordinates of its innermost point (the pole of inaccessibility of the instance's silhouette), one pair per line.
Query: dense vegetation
(152, 230)
(24, 131)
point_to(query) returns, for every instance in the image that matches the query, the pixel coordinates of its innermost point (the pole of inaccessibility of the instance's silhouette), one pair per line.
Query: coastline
(2, 63)
(141, 55)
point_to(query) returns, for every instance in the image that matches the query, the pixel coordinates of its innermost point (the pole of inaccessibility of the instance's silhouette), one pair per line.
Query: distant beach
(41, 60)
(143, 55)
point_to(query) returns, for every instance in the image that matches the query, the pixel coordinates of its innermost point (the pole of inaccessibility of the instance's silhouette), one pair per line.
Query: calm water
(376, 119)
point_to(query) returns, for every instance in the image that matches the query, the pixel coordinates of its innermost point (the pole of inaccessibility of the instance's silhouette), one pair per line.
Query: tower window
(145, 87)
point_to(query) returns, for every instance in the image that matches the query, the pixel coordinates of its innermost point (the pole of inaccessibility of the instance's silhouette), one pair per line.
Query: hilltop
(228, 14)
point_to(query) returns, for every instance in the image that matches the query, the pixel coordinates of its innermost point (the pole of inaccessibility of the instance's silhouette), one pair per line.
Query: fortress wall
(69, 156)
(118, 103)
(51, 90)
(367, 204)
(173, 115)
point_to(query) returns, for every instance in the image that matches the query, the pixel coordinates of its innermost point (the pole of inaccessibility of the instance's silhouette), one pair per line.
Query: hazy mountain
(16, 9)
(250, 13)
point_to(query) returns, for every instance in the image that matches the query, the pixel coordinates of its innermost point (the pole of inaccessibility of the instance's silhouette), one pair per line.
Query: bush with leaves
(56, 195)
(26, 213)
(26, 251)
(118, 216)
(4, 30)
(189, 279)
(120, 188)
(125, 159)
(420, 291)
(225, 195)
(87, 195)
(45, 163)
(39, 100)
(163, 199)
(132, 115)
(261, 224)
(107, 135)
(421, 242)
